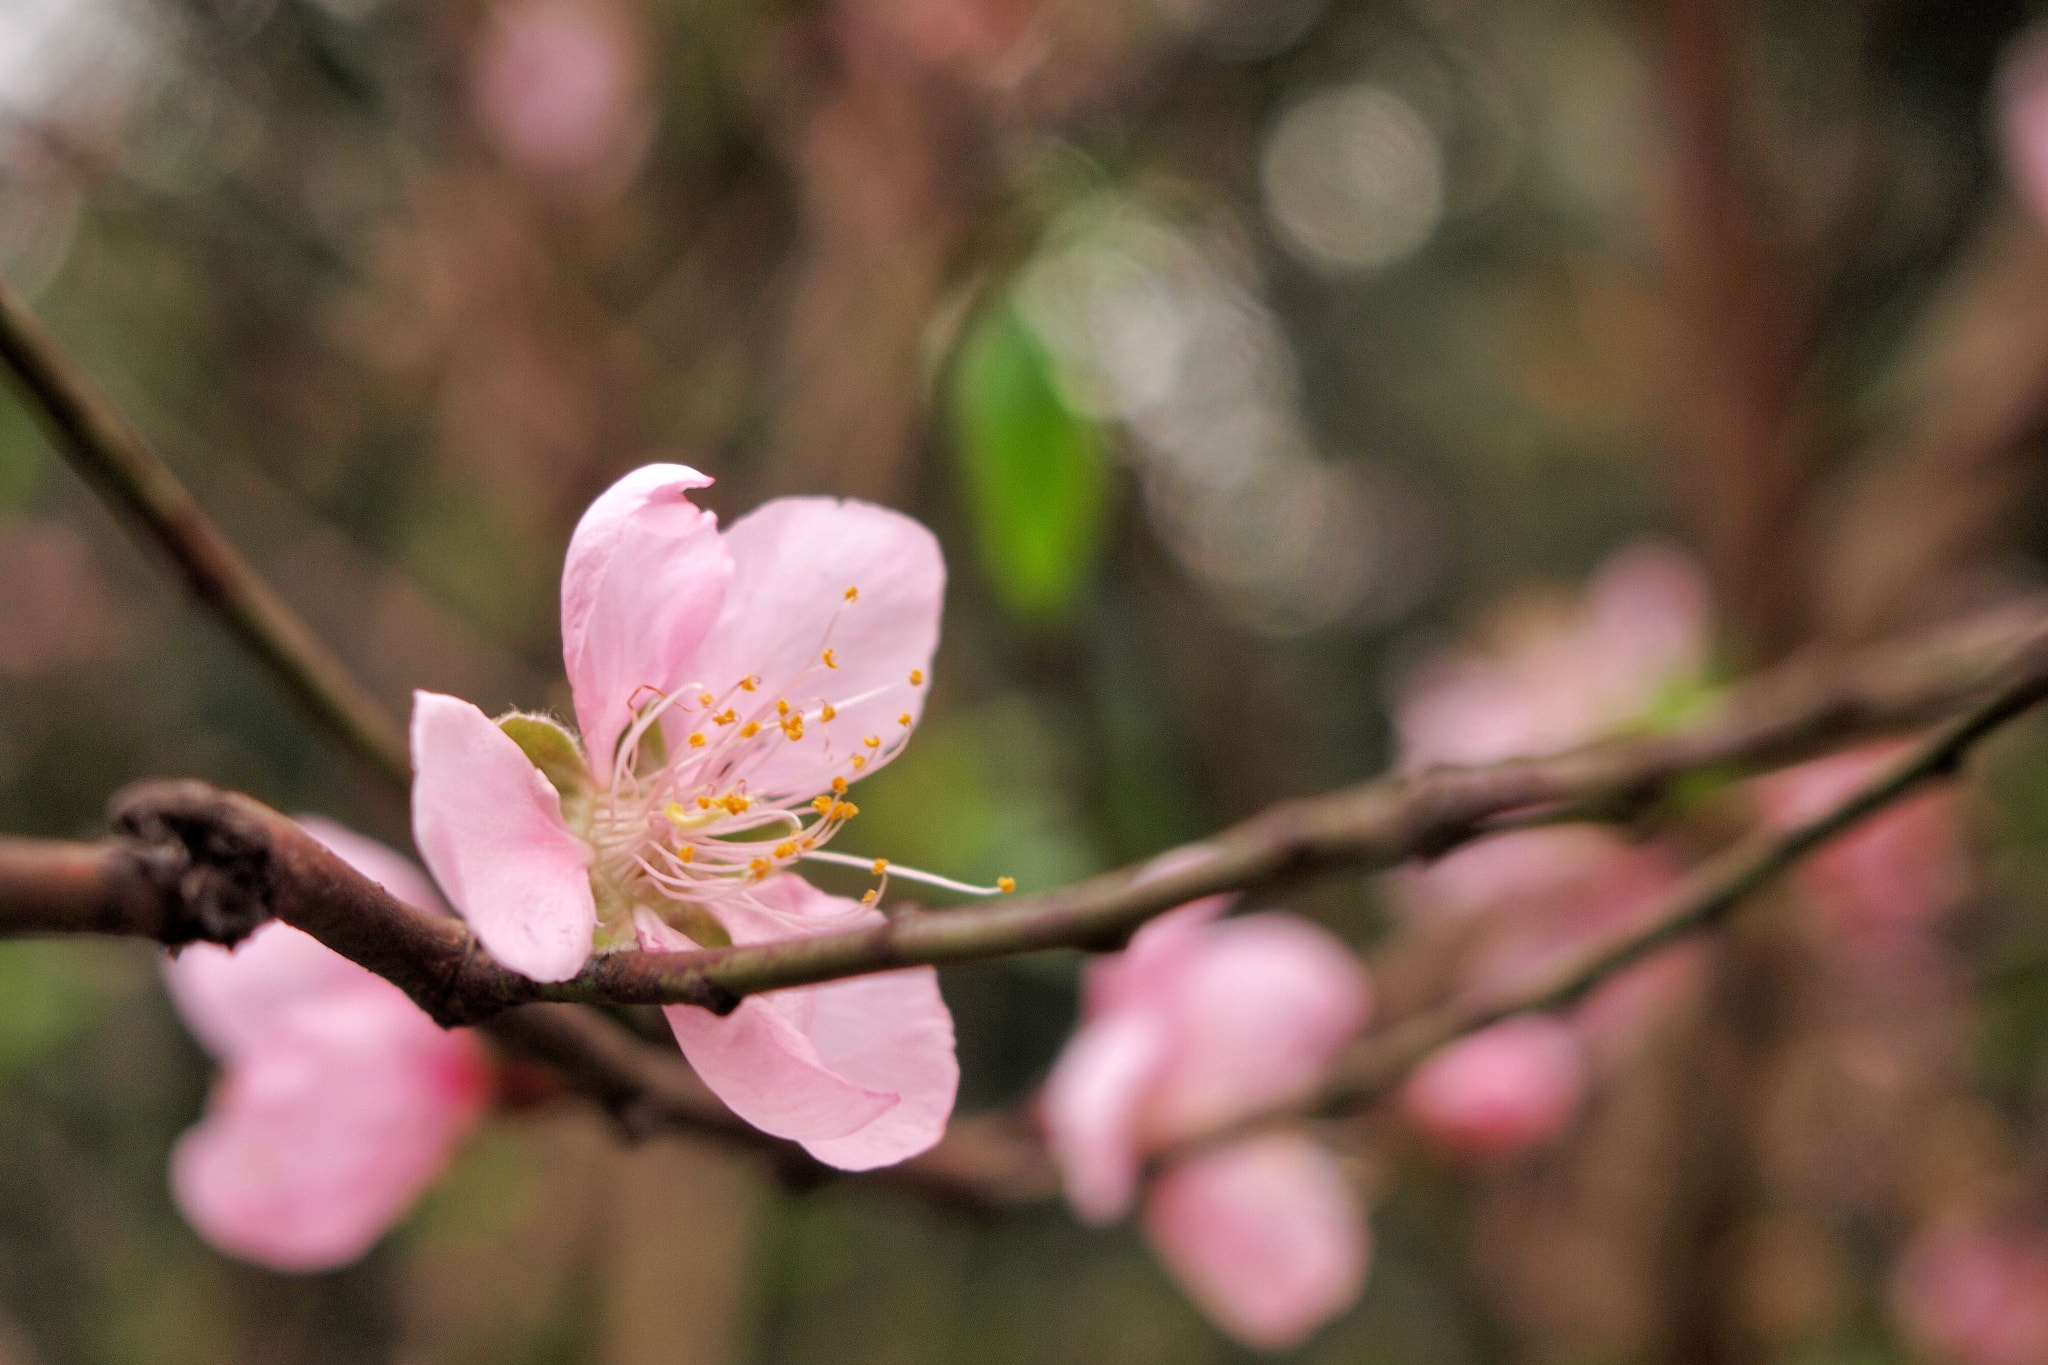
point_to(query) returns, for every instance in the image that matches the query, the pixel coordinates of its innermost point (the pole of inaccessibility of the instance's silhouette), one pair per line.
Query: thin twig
(113, 457)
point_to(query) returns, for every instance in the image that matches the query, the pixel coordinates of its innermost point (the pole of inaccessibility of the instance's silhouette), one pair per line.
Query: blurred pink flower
(727, 686)
(556, 84)
(2022, 95)
(1898, 873)
(1968, 1294)
(1568, 677)
(1502, 1090)
(341, 1099)
(1197, 1024)
(1263, 1234)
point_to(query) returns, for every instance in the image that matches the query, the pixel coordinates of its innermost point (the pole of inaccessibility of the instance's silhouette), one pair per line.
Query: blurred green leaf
(1036, 475)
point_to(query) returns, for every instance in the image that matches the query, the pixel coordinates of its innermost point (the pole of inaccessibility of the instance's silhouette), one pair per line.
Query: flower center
(695, 819)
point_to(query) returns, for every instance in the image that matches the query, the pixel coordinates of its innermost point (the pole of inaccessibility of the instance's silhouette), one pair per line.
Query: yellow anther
(786, 849)
(734, 804)
(917, 677)
(696, 741)
(903, 719)
(749, 730)
(873, 741)
(844, 810)
(839, 785)
(827, 713)
(822, 805)
(759, 867)
(725, 717)
(881, 866)
(793, 727)
(1006, 884)
(706, 698)
(781, 708)
(810, 841)
(829, 661)
(750, 682)
(867, 897)
(703, 803)
(687, 853)
(859, 762)
(853, 594)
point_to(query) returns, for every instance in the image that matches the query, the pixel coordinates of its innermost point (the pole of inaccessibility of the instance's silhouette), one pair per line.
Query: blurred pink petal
(321, 1138)
(861, 1072)
(645, 578)
(1092, 1102)
(1197, 1024)
(1264, 1235)
(556, 82)
(2022, 95)
(341, 1101)
(1255, 1016)
(1642, 627)
(1966, 1294)
(1501, 1090)
(794, 559)
(1903, 868)
(491, 830)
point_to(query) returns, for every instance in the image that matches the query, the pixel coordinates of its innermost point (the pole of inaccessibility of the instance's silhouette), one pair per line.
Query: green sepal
(551, 749)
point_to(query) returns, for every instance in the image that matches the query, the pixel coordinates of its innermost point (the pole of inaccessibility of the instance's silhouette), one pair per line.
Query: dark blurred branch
(195, 862)
(113, 457)
(1749, 455)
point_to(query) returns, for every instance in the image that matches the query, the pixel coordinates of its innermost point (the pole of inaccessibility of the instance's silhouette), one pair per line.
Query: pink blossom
(1197, 1024)
(728, 688)
(1567, 677)
(556, 82)
(1263, 1234)
(1901, 871)
(1969, 1294)
(1502, 1090)
(341, 1100)
(2022, 94)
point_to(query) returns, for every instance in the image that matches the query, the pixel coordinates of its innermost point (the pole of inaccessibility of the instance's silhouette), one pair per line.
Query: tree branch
(1713, 889)
(194, 862)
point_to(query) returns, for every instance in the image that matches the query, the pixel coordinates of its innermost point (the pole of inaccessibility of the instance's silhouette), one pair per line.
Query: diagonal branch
(1712, 890)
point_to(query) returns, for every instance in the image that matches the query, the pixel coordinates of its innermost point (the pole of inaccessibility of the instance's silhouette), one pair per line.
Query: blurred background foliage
(1241, 353)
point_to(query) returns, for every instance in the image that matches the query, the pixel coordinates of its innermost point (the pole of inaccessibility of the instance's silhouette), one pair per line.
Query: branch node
(208, 863)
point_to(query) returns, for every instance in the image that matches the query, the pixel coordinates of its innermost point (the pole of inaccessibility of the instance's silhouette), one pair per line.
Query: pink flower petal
(234, 1000)
(644, 580)
(1255, 1016)
(491, 830)
(1263, 1235)
(1502, 1090)
(794, 559)
(861, 1072)
(1091, 1106)
(316, 1142)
